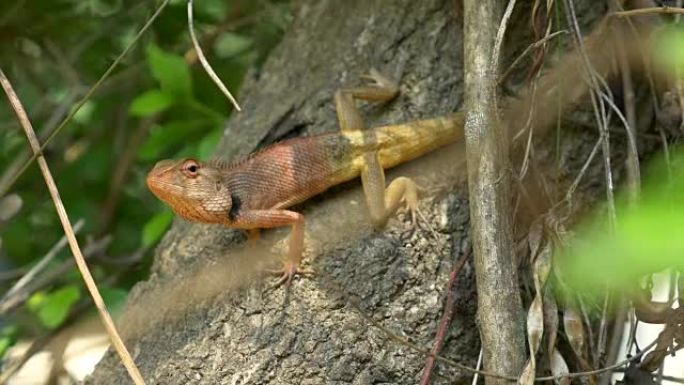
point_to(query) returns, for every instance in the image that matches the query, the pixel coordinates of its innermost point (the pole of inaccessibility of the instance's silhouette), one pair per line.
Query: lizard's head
(192, 189)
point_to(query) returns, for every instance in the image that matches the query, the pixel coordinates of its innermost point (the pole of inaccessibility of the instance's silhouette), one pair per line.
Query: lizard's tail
(403, 142)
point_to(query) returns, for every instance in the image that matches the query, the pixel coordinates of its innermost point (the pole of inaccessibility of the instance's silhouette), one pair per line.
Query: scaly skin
(255, 193)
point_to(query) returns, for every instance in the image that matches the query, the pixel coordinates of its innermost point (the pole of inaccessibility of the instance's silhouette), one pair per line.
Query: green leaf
(53, 308)
(5, 343)
(150, 103)
(669, 47)
(231, 44)
(169, 135)
(215, 9)
(8, 335)
(644, 240)
(155, 227)
(171, 72)
(84, 115)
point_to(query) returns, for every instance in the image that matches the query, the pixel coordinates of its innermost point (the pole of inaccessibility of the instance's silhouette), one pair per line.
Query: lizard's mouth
(156, 180)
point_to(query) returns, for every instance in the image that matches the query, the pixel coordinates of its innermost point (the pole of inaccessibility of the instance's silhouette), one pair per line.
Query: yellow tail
(401, 143)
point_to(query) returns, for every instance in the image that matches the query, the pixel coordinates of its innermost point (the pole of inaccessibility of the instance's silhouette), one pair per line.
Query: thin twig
(85, 98)
(598, 107)
(678, 380)
(585, 166)
(55, 274)
(11, 297)
(478, 365)
(648, 11)
(449, 309)
(527, 50)
(118, 344)
(205, 63)
(498, 43)
(602, 339)
(632, 161)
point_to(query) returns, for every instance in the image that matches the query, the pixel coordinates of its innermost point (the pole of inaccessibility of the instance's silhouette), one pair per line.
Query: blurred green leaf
(231, 44)
(155, 227)
(164, 137)
(171, 72)
(5, 343)
(10, 141)
(645, 239)
(53, 308)
(85, 114)
(215, 9)
(669, 46)
(150, 103)
(7, 337)
(14, 239)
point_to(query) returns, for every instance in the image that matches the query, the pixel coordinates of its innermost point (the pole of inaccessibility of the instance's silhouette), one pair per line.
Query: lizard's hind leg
(382, 202)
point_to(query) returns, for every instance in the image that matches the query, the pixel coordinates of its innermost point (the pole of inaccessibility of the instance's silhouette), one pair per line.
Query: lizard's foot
(387, 86)
(288, 271)
(417, 213)
(410, 199)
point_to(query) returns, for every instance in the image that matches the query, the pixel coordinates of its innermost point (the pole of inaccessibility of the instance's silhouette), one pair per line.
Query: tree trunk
(206, 317)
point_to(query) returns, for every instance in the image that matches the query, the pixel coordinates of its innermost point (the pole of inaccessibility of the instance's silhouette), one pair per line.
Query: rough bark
(499, 307)
(311, 334)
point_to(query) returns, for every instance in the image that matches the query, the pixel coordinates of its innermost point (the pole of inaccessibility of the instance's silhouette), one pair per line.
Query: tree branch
(501, 325)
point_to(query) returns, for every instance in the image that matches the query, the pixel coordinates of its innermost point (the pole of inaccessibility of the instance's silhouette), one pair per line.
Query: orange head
(194, 190)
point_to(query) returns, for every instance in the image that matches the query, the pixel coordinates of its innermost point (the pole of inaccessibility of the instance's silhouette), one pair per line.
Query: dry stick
(205, 63)
(10, 298)
(444, 323)
(501, 32)
(478, 365)
(69, 232)
(646, 11)
(632, 161)
(85, 98)
(527, 50)
(598, 107)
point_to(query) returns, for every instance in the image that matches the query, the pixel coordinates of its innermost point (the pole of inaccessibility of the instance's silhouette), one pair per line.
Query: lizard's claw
(381, 82)
(287, 272)
(416, 213)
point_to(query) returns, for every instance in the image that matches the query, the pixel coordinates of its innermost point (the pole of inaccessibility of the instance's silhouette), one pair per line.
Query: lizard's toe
(288, 271)
(376, 79)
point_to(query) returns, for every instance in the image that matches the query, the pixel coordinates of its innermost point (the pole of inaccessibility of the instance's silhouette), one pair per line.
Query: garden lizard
(254, 193)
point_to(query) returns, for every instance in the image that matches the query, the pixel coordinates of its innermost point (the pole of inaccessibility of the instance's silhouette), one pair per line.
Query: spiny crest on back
(222, 164)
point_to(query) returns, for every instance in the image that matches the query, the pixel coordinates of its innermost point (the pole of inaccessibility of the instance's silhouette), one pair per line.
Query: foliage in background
(647, 237)
(157, 104)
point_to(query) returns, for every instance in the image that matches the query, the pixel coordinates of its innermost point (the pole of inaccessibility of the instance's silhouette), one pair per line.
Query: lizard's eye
(191, 168)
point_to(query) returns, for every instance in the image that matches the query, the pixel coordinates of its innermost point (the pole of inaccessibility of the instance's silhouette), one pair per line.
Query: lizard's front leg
(262, 219)
(382, 202)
